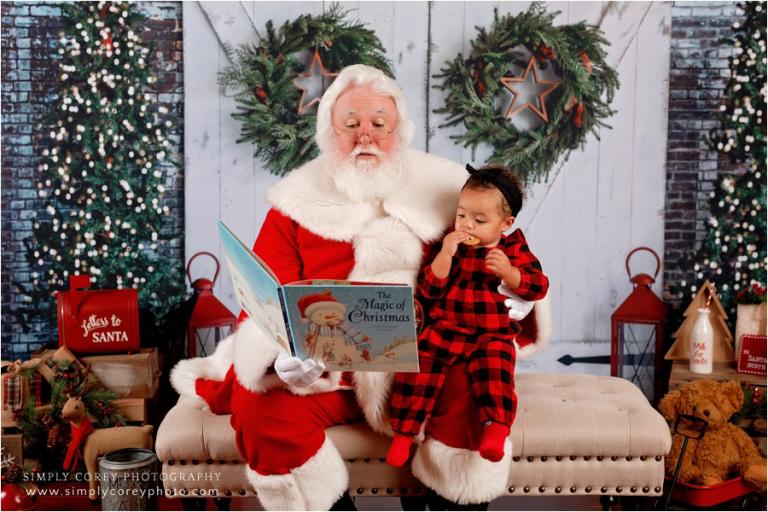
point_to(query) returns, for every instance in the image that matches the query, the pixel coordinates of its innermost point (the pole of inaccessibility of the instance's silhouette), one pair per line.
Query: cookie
(471, 241)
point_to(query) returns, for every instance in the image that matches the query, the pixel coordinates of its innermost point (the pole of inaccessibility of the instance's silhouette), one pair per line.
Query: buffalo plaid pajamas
(471, 322)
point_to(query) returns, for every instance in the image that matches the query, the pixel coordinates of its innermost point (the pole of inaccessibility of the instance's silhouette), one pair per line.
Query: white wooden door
(582, 222)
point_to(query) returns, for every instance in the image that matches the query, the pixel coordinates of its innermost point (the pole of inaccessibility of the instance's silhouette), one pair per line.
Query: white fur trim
(460, 475)
(384, 245)
(425, 203)
(308, 196)
(323, 478)
(321, 385)
(360, 74)
(214, 367)
(276, 492)
(543, 311)
(315, 485)
(372, 390)
(254, 353)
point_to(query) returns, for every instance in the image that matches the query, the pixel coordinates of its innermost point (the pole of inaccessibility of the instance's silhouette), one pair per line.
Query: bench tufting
(574, 435)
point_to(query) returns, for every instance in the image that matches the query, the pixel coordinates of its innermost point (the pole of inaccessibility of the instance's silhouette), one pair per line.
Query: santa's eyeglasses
(378, 130)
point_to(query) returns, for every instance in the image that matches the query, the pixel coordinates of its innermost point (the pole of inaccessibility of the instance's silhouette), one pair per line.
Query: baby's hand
(451, 242)
(498, 263)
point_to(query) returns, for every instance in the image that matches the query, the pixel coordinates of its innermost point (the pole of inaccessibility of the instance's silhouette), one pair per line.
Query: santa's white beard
(369, 178)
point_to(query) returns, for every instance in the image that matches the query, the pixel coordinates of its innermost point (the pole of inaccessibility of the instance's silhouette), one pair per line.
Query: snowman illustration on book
(329, 338)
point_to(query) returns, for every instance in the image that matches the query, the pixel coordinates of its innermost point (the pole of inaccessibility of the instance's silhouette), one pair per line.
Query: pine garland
(263, 75)
(581, 102)
(45, 434)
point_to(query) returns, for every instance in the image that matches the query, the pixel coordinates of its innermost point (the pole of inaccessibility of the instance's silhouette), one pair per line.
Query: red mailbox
(97, 321)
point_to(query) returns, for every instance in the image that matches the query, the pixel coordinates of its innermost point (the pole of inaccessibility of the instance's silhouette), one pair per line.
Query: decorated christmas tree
(101, 177)
(733, 254)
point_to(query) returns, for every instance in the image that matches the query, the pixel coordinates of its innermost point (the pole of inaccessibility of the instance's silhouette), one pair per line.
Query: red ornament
(545, 53)
(261, 94)
(476, 76)
(15, 497)
(210, 320)
(585, 60)
(641, 358)
(107, 42)
(578, 117)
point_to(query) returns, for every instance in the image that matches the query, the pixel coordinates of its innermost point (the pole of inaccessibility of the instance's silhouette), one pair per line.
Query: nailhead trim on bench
(404, 490)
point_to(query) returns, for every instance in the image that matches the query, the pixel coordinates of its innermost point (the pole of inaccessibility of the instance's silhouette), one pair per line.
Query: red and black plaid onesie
(468, 320)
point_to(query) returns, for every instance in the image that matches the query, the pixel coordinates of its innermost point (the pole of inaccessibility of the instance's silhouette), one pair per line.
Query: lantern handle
(203, 253)
(658, 260)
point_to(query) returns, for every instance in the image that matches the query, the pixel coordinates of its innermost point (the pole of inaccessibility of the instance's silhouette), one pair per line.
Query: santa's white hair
(360, 74)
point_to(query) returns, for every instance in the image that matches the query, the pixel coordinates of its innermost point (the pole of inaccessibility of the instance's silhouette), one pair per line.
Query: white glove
(295, 372)
(518, 308)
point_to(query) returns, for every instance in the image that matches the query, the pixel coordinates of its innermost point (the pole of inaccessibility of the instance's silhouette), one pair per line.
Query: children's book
(346, 325)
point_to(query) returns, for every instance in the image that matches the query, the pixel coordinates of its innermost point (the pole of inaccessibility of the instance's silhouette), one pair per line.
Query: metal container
(129, 480)
(97, 321)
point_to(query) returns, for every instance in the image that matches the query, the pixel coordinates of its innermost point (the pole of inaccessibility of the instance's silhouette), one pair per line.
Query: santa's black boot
(437, 502)
(344, 503)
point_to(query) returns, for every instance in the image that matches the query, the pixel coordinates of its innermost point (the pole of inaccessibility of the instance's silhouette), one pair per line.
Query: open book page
(356, 327)
(257, 288)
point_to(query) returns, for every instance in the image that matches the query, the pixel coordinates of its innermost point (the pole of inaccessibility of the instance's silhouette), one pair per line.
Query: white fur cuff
(459, 475)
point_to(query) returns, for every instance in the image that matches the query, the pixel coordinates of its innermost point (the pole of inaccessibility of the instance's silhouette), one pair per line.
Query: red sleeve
(533, 283)
(278, 247)
(276, 244)
(428, 285)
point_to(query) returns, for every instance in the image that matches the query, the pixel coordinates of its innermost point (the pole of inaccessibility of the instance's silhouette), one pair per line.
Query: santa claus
(364, 210)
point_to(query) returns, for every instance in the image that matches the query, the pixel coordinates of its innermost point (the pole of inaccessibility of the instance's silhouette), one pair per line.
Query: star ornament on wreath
(273, 94)
(575, 106)
(316, 72)
(544, 86)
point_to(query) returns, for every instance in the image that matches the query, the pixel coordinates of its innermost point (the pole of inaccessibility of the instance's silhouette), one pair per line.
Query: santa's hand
(295, 372)
(518, 308)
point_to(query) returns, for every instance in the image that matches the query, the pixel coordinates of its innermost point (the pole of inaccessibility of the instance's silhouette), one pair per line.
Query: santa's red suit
(314, 231)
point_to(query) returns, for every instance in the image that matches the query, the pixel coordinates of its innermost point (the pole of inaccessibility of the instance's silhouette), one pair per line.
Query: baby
(467, 318)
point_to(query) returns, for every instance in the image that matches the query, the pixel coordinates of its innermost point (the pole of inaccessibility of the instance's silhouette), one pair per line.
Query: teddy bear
(726, 450)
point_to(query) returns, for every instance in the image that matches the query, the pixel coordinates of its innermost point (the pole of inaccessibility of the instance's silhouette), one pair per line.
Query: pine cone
(46, 420)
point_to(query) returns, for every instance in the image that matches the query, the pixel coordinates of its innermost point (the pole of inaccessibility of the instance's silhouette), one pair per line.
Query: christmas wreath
(277, 118)
(580, 100)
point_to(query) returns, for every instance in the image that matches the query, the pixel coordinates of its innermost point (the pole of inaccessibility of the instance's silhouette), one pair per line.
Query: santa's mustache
(371, 150)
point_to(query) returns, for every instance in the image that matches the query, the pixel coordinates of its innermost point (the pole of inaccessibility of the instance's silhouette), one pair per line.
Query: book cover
(347, 325)
(353, 325)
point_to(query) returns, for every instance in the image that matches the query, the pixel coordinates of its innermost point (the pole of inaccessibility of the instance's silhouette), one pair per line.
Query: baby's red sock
(399, 450)
(492, 442)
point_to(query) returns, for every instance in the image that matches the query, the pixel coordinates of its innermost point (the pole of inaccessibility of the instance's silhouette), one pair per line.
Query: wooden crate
(12, 445)
(134, 375)
(128, 375)
(134, 410)
(682, 375)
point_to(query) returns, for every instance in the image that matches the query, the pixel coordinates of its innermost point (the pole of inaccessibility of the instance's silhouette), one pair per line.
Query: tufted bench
(574, 435)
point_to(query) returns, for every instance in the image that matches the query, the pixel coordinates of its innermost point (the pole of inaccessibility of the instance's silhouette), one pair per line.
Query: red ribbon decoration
(80, 433)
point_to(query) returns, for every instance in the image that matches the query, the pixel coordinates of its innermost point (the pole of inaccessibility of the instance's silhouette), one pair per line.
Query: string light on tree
(88, 169)
(736, 231)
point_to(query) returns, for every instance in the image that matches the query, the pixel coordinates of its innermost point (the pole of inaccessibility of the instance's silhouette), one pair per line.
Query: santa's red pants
(278, 431)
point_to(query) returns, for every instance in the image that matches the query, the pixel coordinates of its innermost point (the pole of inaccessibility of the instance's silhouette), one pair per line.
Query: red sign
(752, 358)
(98, 321)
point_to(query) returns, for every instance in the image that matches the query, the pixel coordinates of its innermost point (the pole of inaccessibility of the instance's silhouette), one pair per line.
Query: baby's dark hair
(503, 179)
